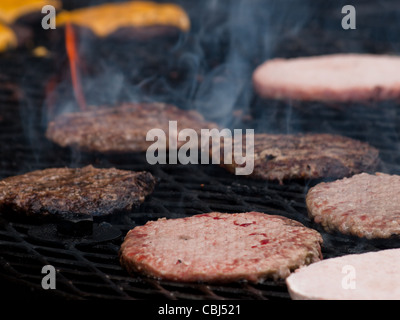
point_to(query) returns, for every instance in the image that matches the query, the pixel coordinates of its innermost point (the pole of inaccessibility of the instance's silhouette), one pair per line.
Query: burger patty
(83, 191)
(367, 276)
(365, 205)
(337, 77)
(121, 129)
(220, 247)
(307, 156)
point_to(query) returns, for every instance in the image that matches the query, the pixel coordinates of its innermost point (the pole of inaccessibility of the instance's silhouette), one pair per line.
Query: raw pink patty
(337, 77)
(365, 205)
(218, 247)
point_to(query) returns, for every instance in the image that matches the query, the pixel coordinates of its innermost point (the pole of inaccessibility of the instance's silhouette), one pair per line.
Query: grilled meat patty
(367, 276)
(336, 77)
(220, 247)
(121, 129)
(307, 156)
(83, 191)
(365, 205)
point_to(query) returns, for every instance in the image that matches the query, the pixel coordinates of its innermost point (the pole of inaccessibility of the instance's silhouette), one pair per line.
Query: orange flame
(73, 57)
(50, 90)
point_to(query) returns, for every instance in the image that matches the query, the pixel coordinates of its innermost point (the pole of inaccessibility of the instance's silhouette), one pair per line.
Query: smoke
(254, 30)
(209, 70)
(238, 35)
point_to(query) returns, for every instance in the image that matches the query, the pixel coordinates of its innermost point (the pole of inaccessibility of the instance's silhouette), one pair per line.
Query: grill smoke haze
(208, 70)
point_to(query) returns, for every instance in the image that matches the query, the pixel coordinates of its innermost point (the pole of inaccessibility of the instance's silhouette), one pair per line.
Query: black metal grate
(92, 270)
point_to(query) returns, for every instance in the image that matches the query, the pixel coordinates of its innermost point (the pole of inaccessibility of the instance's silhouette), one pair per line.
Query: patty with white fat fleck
(220, 247)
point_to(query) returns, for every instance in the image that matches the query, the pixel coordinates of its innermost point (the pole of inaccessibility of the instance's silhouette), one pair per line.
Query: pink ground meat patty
(336, 77)
(367, 276)
(365, 205)
(220, 247)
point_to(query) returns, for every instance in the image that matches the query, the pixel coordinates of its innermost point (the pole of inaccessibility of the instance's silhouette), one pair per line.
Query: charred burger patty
(308, 156)
(86, 191)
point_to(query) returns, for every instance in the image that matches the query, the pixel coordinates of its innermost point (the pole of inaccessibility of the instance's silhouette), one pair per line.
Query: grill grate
(92, 270)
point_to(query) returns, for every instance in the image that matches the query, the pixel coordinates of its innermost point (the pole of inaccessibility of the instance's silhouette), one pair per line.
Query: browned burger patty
(121, 129)
(365, 205)
(309, 156)
(337, 77)
(220, 247)
(86, 191)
